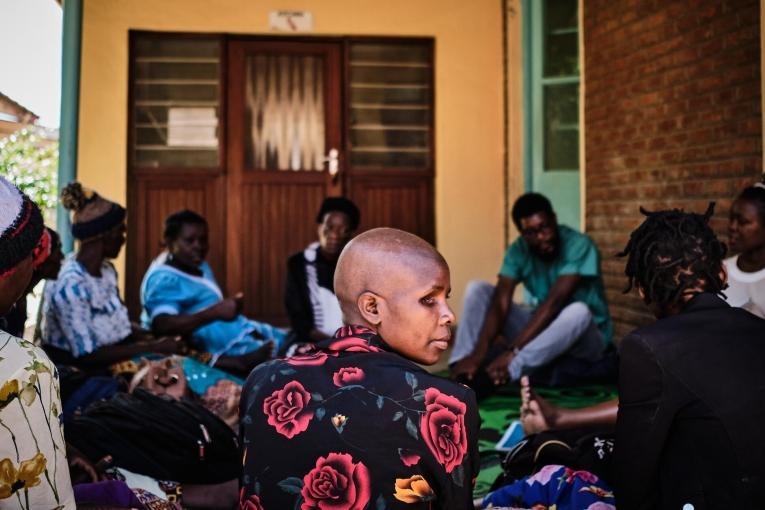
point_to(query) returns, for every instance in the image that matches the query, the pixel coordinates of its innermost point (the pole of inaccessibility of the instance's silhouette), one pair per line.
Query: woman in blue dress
(180, 296)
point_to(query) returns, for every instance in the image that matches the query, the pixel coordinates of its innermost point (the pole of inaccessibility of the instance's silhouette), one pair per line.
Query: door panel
(267, 242)
(283, 116)
(403, 202)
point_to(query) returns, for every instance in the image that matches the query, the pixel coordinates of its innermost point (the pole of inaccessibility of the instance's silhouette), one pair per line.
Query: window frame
(535, 84)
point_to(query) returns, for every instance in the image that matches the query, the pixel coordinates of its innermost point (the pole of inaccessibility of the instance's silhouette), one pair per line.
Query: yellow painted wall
(468, 92)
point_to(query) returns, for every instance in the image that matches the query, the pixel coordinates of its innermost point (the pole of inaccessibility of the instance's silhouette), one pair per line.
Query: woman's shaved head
(397, 284)
(374, 259)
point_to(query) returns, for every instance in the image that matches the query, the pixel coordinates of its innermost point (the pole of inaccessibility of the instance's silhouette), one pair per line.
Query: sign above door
(291, 21)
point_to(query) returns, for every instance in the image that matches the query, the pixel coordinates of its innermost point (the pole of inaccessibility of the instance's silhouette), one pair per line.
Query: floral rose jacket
(353, 426)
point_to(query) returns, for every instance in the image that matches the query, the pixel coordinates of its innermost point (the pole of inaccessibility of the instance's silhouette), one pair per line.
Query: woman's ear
(368, 304)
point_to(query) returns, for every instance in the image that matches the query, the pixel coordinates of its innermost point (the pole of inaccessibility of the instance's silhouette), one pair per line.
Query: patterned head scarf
(92, 215)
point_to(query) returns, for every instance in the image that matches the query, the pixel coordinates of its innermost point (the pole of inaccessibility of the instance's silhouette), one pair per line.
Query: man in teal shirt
(560, 268)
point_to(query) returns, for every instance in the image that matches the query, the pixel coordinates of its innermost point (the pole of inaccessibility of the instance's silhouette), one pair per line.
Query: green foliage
(30, 161)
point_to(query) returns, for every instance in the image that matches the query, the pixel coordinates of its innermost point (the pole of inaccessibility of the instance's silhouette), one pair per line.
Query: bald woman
(357, 420)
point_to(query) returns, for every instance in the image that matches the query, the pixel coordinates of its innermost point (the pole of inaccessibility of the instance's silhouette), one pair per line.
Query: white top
(745, 290)
(84, 312)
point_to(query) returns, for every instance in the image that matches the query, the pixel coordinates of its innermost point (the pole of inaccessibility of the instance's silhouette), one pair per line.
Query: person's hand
(80, 468)
(500, 341)
(466, 367)
(497, 369)
(168, 345)
(229, 308)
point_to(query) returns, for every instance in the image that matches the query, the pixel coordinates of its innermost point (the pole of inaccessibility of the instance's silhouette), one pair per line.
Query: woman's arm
(114, 353)
(186, 324)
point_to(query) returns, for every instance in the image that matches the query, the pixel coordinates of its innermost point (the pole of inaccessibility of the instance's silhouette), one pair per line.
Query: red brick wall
(672, 118)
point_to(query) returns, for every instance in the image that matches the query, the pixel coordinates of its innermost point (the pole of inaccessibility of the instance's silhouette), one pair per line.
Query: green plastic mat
(502, 408)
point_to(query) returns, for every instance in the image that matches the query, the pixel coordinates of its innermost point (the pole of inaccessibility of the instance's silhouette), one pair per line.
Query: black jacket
(692, 410)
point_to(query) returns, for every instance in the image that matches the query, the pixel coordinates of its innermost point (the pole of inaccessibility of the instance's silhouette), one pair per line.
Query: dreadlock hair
(175, 222)
(673, 251)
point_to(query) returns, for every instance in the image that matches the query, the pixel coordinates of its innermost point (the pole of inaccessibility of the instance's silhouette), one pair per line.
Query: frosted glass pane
(284, 124)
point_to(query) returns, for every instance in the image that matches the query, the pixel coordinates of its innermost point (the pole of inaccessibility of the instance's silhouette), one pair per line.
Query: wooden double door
(299, 120)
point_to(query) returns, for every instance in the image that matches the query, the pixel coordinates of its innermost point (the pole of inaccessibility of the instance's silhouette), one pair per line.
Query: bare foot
(537, 414)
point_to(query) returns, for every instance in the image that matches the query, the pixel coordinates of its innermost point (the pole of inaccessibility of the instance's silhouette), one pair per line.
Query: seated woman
(356, 423)
(33, 462)
(85, 322)
(309, 292)
(746, 235)
(180, 296)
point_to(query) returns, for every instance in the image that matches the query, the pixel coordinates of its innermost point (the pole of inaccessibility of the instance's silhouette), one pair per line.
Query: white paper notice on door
(192, 127)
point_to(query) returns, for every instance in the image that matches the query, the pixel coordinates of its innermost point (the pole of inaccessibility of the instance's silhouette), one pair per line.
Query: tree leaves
(29, 159)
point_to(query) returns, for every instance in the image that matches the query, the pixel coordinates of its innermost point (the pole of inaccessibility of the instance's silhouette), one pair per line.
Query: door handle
(333, 162)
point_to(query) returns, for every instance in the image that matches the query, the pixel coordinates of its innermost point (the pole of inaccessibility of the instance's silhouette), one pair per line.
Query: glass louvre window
(560, 85)
(176, 101)
(284, 99)
(390, 105)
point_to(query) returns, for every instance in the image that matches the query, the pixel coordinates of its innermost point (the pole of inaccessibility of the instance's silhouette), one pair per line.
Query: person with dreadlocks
(681, 436)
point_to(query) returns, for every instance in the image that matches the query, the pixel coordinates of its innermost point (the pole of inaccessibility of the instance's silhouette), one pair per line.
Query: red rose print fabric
(249, 503)
(337, 483)
(352, 425)
(443, 428)
(287, 409)
(347, 375)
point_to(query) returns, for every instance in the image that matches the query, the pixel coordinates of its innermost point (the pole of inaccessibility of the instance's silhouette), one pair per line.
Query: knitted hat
(48, 242)
(21, 226)
(93, 214)
(339, 204)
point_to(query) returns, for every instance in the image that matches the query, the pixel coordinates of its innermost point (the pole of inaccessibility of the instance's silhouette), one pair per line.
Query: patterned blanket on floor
(502, 408)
